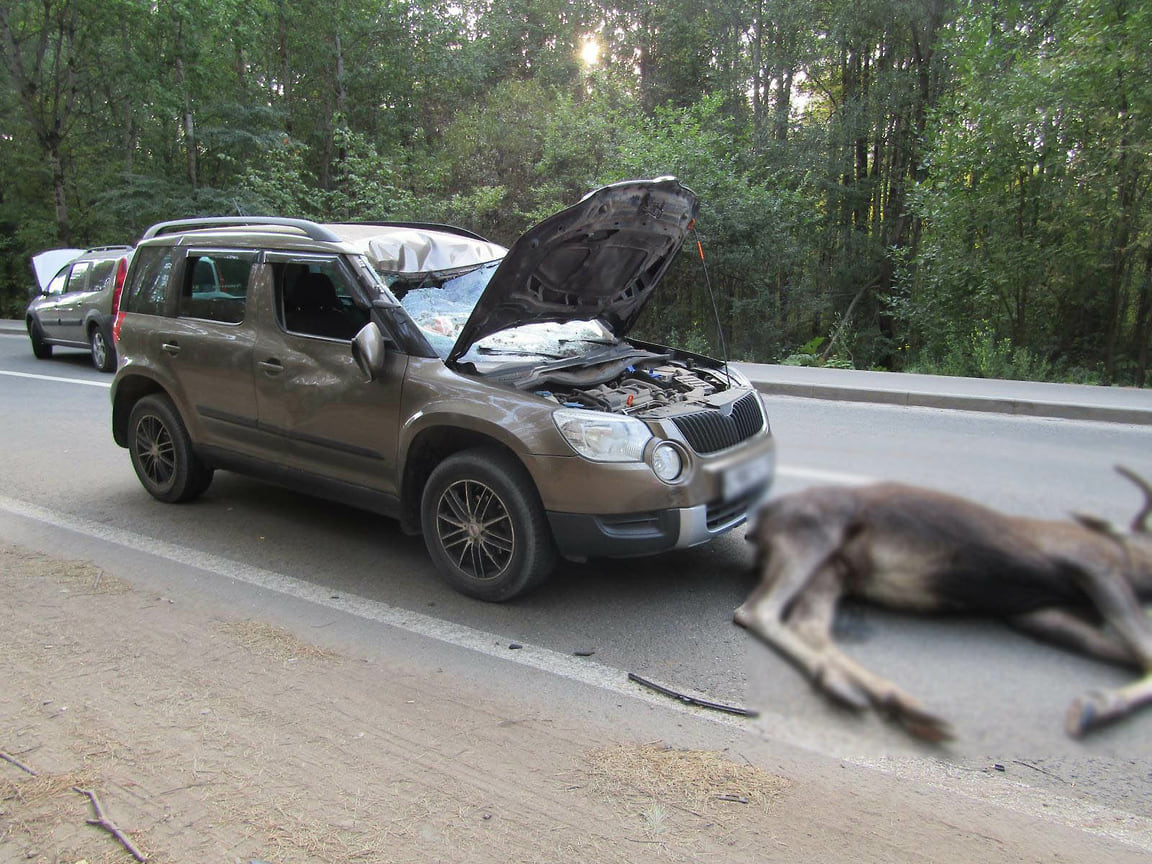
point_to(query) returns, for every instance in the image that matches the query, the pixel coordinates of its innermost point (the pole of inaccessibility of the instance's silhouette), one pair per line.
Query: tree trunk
(56, 164)
(341, 97)
(758, 73)
(188, 124)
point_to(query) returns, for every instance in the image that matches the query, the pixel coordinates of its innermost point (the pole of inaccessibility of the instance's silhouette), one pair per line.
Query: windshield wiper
(483, 349)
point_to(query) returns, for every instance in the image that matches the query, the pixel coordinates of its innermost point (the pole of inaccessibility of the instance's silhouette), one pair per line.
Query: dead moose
(1076, 583)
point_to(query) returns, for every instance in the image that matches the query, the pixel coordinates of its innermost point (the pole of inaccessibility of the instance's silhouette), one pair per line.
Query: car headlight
(603, 437)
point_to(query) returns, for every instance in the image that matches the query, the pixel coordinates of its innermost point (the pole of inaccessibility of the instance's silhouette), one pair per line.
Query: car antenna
(712, 297)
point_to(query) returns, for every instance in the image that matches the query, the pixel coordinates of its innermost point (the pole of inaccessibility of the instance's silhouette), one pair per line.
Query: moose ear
(1095, 523)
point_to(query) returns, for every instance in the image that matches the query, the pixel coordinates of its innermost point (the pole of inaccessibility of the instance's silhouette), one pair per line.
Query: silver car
(77, 301)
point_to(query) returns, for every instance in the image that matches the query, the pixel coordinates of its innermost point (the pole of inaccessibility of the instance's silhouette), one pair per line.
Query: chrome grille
(710, 431)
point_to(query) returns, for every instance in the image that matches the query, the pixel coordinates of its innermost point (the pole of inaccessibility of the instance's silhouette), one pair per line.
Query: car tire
(162, 453)
(40, 349)
(485, 527)
(103, 354)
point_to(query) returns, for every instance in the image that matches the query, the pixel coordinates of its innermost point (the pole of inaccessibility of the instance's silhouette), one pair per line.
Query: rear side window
(151, 270)
(78, 278)
(215, 286)
(103, 272)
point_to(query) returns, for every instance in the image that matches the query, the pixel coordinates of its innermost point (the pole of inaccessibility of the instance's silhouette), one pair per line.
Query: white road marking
(104, 384)
(1091, 818)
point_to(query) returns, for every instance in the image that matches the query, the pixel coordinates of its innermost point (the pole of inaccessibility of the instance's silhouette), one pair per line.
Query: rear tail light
(117, 315)
(121, 272)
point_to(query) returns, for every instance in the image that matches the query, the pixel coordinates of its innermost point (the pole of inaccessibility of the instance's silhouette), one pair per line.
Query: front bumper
(580, 536)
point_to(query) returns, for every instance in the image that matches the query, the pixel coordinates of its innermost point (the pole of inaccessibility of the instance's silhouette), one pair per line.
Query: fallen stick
(692, 700)
(7, 757)
(108, 825)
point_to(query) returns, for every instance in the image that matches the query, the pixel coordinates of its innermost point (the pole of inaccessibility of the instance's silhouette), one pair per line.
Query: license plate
(736, 481)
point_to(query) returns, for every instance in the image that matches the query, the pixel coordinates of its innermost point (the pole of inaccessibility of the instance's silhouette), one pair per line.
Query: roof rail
(425, 226)
(305, 226)
(106, 248)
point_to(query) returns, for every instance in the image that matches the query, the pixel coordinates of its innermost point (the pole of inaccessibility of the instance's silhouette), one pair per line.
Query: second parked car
(76, 306)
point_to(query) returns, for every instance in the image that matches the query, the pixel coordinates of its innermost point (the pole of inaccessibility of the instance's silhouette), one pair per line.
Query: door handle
(271, 366)
(172, 348)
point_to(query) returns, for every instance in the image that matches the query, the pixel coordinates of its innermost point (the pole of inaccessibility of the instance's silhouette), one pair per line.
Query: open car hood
(48, 264)
(598, 260)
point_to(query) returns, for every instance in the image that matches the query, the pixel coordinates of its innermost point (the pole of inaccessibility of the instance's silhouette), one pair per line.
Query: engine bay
(642, 388)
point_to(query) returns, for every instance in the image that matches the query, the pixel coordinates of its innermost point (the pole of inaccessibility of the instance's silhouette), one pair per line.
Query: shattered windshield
(440, 304)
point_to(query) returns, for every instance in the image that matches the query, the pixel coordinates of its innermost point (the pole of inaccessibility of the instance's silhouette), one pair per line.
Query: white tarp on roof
(417, 250)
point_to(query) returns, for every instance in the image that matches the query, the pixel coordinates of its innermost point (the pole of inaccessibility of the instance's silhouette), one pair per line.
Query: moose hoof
(1089, 711)
(926, 727)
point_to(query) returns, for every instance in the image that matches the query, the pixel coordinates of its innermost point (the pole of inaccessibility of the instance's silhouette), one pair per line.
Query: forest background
(917, 185)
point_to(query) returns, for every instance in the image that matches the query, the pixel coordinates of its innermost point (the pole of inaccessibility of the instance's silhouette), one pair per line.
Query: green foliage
(1035, 203)
(879, 173)
(979, 353)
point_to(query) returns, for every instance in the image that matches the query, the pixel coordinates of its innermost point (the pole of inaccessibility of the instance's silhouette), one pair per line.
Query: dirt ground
(211, 738)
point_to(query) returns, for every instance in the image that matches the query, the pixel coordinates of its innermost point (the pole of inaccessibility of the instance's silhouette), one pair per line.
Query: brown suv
(484, 397)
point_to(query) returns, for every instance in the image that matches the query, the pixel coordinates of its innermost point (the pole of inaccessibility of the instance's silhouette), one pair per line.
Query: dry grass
(79, 577)
(321, 842)
(32, 808)
(707, 784)
(272, 642)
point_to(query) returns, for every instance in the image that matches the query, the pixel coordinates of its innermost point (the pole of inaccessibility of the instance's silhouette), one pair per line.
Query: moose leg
(812, 618)
(762, 616)
(1064, 628)
(1114, 597)
(792, 611)
(791, 561)
(1097, 707)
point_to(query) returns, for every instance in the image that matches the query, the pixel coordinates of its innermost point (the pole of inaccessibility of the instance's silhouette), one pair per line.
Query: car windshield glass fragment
(441, 304)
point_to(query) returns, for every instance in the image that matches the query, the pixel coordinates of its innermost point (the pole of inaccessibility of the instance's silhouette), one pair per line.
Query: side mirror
(370, 351)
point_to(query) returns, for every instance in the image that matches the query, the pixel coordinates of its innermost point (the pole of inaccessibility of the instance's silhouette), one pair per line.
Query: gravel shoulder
(211, 736)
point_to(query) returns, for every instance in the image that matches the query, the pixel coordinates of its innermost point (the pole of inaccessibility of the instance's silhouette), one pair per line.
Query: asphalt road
(666, 618)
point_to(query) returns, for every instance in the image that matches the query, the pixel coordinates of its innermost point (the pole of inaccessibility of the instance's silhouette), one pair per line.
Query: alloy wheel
(155, 450)
(99, 350)
(475, 529)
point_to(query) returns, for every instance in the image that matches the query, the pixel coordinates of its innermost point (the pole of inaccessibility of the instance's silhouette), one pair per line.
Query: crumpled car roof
(404, 249)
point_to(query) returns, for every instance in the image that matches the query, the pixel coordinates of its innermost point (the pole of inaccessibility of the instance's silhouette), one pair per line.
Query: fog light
(666, 462)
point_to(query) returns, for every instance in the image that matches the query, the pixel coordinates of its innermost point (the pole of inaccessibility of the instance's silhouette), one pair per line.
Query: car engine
(642, 388)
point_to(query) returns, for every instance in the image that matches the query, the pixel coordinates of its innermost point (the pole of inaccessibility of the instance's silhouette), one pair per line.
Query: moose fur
(1077, 583)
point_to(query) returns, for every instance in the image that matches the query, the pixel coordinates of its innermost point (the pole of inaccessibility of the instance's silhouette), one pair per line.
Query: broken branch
(7, 757)
(108, 825)
(692, 700)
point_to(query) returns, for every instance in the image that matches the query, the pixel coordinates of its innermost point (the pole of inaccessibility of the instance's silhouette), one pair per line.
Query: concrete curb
(959, 402)
(1020, 398)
